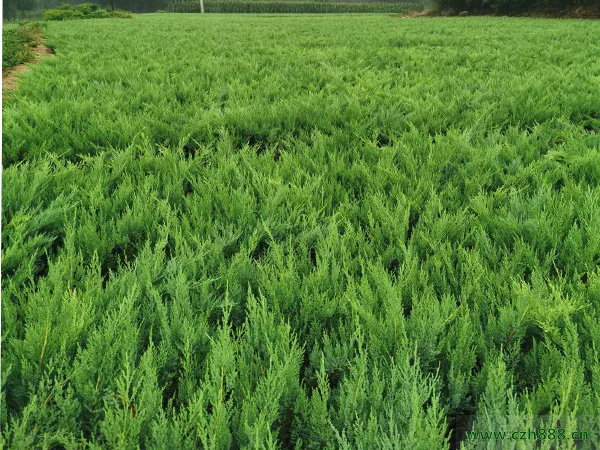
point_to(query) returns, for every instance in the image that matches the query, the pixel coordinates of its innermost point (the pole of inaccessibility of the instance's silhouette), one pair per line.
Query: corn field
(290, 7)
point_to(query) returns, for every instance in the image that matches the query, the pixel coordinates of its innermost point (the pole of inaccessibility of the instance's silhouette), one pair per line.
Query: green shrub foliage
(17, 43)
(298, 232)
(83, 11)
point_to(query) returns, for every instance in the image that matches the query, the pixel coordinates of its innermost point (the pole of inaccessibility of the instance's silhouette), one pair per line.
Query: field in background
(34, 9)
(302, 232)
(292, 7)
(296, 7)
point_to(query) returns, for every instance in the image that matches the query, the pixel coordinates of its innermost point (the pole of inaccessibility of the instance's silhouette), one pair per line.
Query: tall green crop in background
(292, 7)
(303, 232)
(27, 9)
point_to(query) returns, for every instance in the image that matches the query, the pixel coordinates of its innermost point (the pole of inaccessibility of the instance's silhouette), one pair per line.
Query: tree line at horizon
(513, 6)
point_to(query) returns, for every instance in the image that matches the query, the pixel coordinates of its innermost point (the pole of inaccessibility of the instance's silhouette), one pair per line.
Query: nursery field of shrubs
(303, 232)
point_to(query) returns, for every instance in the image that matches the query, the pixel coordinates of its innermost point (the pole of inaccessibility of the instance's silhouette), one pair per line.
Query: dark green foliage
(513, 6)
(83, 11)
(302, 232)
(17, 42)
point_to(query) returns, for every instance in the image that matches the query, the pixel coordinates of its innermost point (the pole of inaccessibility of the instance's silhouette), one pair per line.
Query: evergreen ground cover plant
(302, 232)
(17, 42)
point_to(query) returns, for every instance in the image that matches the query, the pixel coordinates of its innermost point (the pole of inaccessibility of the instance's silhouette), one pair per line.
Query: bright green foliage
(302, 232)
(17, 42)
(252, 6)
(83, 11)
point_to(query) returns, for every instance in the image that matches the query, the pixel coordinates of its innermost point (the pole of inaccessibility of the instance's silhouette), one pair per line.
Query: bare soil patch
(11, 75)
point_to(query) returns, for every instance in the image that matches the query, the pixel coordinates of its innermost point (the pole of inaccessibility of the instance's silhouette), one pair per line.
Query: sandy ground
(11, 75)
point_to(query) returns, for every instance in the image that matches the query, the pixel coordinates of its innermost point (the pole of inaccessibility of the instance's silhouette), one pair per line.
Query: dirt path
(11, 75)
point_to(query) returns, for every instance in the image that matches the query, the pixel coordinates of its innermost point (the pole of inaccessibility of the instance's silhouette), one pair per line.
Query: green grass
(302, 232)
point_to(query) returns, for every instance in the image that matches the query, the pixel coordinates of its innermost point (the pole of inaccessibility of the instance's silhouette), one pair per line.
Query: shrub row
(83, 11)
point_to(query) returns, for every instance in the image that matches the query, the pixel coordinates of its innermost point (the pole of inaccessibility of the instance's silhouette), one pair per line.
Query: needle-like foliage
(302, 232)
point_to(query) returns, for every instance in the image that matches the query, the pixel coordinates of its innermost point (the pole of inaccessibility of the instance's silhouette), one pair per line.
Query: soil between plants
(11, 75)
